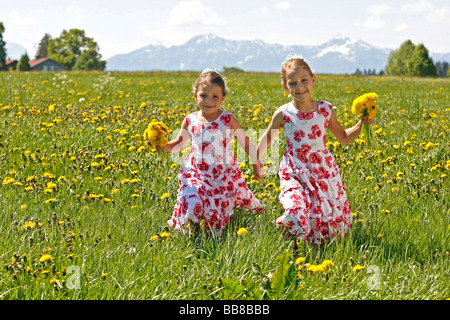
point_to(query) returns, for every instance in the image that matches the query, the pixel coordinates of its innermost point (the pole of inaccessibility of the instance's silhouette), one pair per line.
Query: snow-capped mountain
(340, 55)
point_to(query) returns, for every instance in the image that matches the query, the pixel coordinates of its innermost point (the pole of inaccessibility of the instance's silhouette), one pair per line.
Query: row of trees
(72, 49)
(411, 60)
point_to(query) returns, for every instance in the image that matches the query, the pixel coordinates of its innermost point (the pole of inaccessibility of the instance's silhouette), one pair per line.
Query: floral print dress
(312, 193)
(211, 182)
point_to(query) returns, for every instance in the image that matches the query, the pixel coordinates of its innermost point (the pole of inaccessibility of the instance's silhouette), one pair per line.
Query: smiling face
(299, 83)
(209, 97)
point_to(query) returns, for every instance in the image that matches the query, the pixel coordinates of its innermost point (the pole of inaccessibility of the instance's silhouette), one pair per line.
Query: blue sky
(123, 26)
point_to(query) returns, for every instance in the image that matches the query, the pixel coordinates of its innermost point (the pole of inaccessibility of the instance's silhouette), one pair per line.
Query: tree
(73, 44)
(420, 64)
(24, 63)
(88, 61)
(42, 51)
(411, 60)
(2, 48)
(233, 70)
(397, 59)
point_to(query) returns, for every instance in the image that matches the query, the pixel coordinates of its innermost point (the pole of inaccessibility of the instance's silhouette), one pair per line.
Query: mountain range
(340, 55)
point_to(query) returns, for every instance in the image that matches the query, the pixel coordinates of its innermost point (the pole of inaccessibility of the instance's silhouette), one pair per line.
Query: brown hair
(294, 64)
(213, 78)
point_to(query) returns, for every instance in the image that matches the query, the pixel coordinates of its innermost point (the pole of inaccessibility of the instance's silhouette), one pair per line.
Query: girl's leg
(287, 236)
(295, 251)
(194, 228)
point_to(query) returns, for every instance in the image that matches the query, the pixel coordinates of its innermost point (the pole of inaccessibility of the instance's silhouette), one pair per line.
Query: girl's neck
(208, 117)
(306, 106)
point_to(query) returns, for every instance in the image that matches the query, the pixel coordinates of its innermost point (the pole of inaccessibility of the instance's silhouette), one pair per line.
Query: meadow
(84, 202)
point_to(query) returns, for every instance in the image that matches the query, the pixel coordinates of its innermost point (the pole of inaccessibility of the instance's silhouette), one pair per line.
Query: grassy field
(84, 203)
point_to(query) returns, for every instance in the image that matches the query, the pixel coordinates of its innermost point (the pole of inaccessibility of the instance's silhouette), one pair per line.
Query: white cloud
(417, 7)
(438, 15)
(379, 9)
(22, 21)
(193, 12)
(374, 23)
(284, 5)
(401, 27)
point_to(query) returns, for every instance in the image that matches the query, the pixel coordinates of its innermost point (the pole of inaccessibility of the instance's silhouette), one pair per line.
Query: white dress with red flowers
(312, 193)
(211, 182)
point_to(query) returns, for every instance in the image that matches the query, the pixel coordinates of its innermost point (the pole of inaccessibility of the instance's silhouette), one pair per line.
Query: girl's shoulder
(283, 109)
(282, 115)
(325, 108)
(226, 113)
(191, 115)
(191, 119)
(325, 105)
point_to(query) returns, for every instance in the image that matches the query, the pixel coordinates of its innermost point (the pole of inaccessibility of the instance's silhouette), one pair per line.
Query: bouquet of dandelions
(365, 105)
(155, 134)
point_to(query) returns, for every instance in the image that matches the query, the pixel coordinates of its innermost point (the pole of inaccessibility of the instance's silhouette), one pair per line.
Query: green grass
(105, 205)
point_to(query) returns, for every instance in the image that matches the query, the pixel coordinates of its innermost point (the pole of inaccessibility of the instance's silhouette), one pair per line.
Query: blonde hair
(294, 64)
(212, 77)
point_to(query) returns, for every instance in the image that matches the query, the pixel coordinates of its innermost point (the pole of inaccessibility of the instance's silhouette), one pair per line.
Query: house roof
(8, 62)
(35, 62)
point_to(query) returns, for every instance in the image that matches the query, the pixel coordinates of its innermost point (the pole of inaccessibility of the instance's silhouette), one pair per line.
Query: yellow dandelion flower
(242, 231)
(49, 175)
(328, 262)
(45, 257)
(165, 195)
(51, 185)
(29, 225)
(165, 235)
(315, 268)
(140, 149)
(155, 133)
(300, 260)
(357, 267)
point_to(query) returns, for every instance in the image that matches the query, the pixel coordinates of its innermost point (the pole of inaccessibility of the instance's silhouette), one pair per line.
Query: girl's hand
(159, 148)
(258, 171)
(368, 121)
